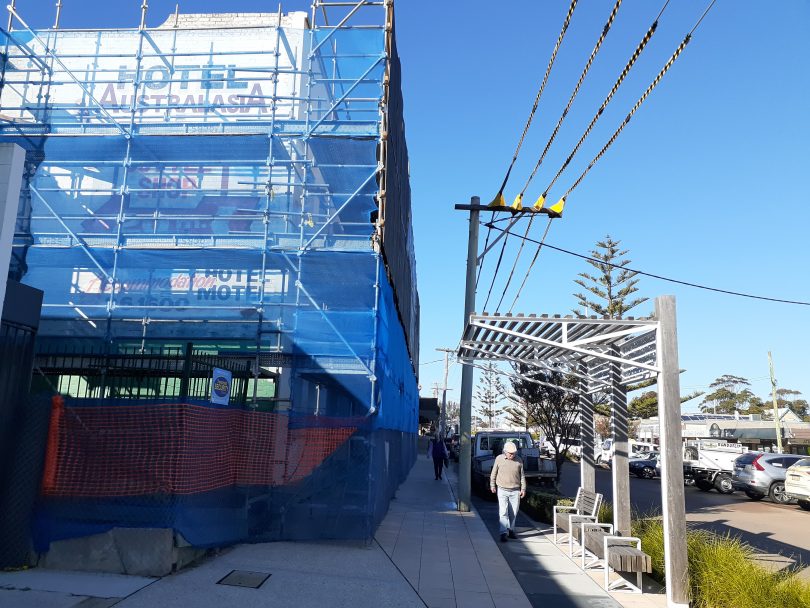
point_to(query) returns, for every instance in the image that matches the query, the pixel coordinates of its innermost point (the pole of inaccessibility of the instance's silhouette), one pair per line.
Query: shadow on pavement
(761, 542)
(547, 577)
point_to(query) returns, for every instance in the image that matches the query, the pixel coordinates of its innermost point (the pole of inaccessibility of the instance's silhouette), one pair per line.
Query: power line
(663, 278)
(558, 207)
(429, 362)
(628, 66)
(519, 198)
(706, 12)
(498, 200)
(514, 264)
(637, 105)
(497, 267)
(584, 73)
(596, 117)
(630, 114)
(531, 265)
(567, 21)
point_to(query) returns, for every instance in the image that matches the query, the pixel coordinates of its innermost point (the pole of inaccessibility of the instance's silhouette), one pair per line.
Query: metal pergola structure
(545, 341)
(606, 355)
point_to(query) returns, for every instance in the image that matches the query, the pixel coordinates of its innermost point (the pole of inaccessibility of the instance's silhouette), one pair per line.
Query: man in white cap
(509, 481)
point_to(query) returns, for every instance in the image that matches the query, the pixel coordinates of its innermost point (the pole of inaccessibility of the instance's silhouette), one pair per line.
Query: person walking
(509, 481)
(438, 450)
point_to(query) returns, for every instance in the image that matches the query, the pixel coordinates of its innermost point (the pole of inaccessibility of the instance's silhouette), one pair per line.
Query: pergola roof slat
(564, 340)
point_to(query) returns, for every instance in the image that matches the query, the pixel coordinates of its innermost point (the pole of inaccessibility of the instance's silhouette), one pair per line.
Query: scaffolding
(235, 184)
(191, 180)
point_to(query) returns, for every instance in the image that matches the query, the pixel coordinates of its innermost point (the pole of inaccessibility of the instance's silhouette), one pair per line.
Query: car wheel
(754, 495)
(777, 493)
(805, 504)
(722, 484)
(703, 484)
(647, 472)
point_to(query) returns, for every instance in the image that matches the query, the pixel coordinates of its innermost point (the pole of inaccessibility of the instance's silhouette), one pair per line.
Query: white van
(638, 449)
(573, 447)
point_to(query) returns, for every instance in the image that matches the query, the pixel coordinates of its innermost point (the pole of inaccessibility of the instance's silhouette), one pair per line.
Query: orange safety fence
(179, 449)
(52, 446)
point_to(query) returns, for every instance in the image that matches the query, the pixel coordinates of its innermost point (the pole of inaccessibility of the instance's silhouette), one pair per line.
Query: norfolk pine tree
(490, 392)
(613, 284)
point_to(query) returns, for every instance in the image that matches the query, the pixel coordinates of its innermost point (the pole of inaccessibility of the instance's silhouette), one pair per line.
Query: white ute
(487, 445)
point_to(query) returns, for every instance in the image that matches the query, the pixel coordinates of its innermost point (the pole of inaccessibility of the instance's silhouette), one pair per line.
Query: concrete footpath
(425, 553)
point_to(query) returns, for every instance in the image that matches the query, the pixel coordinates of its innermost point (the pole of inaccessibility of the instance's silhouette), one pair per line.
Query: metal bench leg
(622, 582)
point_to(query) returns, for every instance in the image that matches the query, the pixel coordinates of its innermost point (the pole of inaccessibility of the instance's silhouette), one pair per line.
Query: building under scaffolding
(224, 191)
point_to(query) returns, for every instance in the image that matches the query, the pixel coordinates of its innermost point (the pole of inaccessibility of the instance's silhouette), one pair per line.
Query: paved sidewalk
(425, 553)
(449, 557)
(550, 578)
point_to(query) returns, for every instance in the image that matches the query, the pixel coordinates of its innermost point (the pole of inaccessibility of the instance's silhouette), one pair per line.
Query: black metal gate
(138, 372)
(23, 423)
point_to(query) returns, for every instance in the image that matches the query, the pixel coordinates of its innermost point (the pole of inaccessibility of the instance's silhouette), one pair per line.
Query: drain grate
(244, 578)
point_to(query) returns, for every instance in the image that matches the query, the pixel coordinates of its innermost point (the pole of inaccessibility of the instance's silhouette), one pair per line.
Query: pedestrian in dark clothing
(438, 450)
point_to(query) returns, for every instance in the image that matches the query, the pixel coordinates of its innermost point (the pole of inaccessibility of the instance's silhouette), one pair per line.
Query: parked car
(647, 467)
(572, 446)
(797, 483)
(604, 453)
(487, 445)
(641, 449)
(762, 473)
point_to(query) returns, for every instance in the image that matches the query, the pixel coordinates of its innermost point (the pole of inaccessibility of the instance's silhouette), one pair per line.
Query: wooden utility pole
(672, 494)
(465, 399)
(776, 420)
(443, 420)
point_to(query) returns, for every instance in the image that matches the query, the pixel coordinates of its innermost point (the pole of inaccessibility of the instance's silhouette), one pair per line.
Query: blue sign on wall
(221, 386)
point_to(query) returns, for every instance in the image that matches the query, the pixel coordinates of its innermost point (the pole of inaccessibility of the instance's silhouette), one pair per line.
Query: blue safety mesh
(199, 187)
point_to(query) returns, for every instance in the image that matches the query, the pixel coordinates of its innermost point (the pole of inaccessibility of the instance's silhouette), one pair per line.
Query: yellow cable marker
(538, 204)
(517, 205)
(557, 208)
(498, 201)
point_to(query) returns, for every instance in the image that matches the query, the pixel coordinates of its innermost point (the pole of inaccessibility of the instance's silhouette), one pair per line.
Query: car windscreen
(521, 442)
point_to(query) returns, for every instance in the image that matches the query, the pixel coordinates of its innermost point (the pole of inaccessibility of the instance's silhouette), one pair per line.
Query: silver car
(761, 474)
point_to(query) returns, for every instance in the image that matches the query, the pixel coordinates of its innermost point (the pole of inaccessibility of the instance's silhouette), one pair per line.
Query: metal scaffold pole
(465, 415)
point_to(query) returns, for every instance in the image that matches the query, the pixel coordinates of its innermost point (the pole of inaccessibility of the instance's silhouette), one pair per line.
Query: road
(780, 533)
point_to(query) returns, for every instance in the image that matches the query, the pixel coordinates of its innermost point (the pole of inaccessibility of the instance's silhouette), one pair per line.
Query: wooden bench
(585, 508)
(613, 552)
(589, 534)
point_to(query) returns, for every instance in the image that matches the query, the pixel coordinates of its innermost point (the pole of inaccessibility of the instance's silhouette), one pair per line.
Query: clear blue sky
(709, 183)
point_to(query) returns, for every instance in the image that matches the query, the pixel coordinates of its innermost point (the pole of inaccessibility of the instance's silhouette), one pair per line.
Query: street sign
(221, 386)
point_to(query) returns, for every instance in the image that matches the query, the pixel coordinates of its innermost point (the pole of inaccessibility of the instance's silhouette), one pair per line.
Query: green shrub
(539, 505)
(605, 515)
(721, 571)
